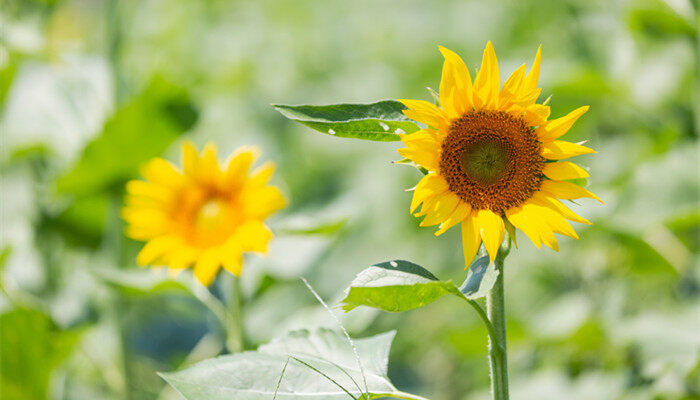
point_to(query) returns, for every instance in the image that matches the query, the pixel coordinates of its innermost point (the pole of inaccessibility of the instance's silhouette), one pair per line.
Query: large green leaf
(380, 121)
(140, 130)
(32, 346)
(299, 365)
(400, 285)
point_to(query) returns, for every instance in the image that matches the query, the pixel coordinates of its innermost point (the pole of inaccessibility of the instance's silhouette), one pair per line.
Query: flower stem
(235, 341)
(495, 309)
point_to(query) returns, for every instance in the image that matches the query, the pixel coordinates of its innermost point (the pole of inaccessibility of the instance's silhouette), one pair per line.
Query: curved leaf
(380, 121)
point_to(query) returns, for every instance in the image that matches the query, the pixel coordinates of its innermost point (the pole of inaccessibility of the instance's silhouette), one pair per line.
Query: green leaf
(399, 285)
(381, 121)
(319, 364)
(32, 346)
(481, 277)
(141, 282)
(140, 130)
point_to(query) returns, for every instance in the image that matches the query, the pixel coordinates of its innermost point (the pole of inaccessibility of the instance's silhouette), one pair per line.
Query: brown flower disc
(491, 160)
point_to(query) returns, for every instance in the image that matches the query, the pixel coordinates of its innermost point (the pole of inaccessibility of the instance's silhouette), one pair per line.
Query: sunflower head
(493, 157)
(201, 215)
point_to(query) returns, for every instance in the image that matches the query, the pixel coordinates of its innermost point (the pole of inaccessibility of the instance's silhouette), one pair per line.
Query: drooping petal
(563, 170)
(430, 185)
(155, 248)
(559, 149)
(458, 215)
(566, 190)
(423, 148)
(207, 266)
(536, 114)
(488, 81)
(425, 112)
(471, 238)
(556, 205)
(526, 222)
(556, 128)
(253, 236)
(492, 230)
(442, 209)
(455, 85)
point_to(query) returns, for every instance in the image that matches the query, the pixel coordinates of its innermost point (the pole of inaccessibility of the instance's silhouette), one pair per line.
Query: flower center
(491, 160)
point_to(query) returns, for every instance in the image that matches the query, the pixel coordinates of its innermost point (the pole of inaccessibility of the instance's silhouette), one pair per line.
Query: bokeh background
(91, 89)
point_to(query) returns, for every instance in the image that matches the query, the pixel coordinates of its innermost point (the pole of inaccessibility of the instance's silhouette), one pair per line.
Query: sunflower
(202, 215)
(493, 157)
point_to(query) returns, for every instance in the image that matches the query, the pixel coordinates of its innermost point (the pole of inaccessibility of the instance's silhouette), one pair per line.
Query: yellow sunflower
(493, 157)
(202, 215)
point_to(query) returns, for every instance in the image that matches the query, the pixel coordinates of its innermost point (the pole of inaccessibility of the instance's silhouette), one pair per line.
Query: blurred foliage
(91, 89)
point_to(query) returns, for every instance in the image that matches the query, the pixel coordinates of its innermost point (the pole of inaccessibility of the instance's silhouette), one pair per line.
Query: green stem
(235, 341)
(398, 395)
(495, 309)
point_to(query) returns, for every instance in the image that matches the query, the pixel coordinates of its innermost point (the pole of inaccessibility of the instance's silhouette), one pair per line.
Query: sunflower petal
(563, 170)
(430, 185)
(190, 159)
(560, 149)
(155, 248)
(423, 148)
(455, 85)
(526, 222)
(425, 112)
(441, 210)
(207, 266)
(556, 205)
(492, 230)
(566, 190)
(458, 215)
(556, 128)
(471, 238)
(488, 81)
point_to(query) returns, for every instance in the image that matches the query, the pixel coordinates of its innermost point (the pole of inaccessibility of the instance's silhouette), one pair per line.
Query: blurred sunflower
(202, 215)
(493, 157)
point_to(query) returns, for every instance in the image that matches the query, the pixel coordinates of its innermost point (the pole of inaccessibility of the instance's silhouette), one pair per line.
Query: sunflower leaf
(396, 286)
(381, 121)
(317, 363)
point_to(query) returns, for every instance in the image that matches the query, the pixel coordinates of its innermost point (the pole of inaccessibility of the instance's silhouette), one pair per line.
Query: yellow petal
(238, 165)
(458, 215)
(253, 235)
(182, 257)
(423, 148)
(262, 201)
(162, 172)
(427, 113)
(511, 232)
(536, 114)
(555, 128)
(492, 230)
(207, 266)
(488, 81)
(262, 174)
(471, 238)
(155, 248)
(233, 262)
(556, 205)
(560, 149)
(563, 170)
(150, 190)
(442, 209)
(530, 82)
(430, 185)
(526, 222)
(455, 85)
(190, 159)
(511, 87)
(566, 190)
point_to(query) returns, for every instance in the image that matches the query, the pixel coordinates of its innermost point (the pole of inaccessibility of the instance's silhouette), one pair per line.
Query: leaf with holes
(381, 121)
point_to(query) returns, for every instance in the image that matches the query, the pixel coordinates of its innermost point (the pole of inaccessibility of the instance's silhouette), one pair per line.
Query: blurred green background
(91, 89)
